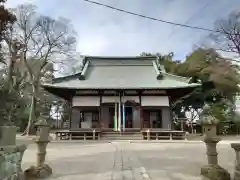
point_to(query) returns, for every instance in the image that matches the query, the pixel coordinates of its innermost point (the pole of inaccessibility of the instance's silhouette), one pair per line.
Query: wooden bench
(85, 134)
(81, 134)
(62, 134)
(157, 134)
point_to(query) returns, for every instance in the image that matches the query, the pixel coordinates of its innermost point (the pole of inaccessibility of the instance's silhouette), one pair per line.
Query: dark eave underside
(69, 93)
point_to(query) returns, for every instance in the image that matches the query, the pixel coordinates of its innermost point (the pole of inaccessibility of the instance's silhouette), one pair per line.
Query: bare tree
(45, 41)
(227, 37)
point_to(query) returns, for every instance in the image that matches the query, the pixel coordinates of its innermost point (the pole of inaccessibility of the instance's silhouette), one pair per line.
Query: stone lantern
(209, 122)
(212, 170)
(40, 170)
(43, 130)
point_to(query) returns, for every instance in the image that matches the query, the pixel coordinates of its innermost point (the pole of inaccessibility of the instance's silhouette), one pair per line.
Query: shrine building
(121, 93)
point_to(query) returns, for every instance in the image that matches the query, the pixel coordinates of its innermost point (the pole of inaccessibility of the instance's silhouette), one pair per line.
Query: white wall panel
(155, 101)
(110, 99)
(86, 101)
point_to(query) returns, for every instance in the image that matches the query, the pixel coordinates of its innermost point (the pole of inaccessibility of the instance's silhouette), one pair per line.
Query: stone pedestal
(10, 162)
(10, 154)
(40, 170)
(211, 145)
(213, 171)
(236, 147)
(8, 135)
(41, 152)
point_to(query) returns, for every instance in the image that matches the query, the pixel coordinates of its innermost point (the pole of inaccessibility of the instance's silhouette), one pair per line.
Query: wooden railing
(95, 134)
(81, 134)
(157, 134)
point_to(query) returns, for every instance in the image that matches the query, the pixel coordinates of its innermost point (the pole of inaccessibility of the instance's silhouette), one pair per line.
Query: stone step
(121, 136)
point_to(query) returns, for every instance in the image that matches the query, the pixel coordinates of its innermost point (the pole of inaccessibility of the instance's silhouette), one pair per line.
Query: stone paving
(128, 161)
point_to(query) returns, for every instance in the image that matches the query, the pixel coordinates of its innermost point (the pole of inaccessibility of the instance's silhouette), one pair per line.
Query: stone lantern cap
(206, 117)
(41, 122)
(209, 120)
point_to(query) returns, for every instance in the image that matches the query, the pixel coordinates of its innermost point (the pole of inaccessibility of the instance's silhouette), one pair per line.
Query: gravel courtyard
(128, 161)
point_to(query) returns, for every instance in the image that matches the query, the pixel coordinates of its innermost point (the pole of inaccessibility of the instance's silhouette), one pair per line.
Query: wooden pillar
(100, 112)
(120, 112)
(141, 111)
(149, 119)
(141, 117)
(70, 113)
(123, 116)
(99, 116)
(171, 112)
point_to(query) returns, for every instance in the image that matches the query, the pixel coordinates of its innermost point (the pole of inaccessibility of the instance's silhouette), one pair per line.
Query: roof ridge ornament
(84, 70)
(159, 73)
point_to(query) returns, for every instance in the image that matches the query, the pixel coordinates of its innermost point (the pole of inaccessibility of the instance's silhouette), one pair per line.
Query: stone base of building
(38, 172)
(215, 172)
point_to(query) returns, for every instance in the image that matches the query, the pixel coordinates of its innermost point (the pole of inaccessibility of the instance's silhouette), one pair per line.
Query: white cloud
(14, 3)
(103, 31)
(93, 45)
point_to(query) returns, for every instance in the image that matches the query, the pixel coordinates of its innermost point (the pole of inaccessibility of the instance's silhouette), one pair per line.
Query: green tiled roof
(121, 73)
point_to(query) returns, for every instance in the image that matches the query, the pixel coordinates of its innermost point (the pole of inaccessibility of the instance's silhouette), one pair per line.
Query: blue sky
(102, 31)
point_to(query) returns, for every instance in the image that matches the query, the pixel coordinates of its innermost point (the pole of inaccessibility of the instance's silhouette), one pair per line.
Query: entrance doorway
(125, 117)
(156, 119)
(152, 118)
(128, 117)
(87, 120)
(111, 116)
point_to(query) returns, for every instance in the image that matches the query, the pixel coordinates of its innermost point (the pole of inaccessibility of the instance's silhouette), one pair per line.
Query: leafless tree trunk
(32, 116)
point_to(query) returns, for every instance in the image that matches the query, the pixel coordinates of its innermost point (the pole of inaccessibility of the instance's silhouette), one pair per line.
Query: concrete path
(128, 161)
